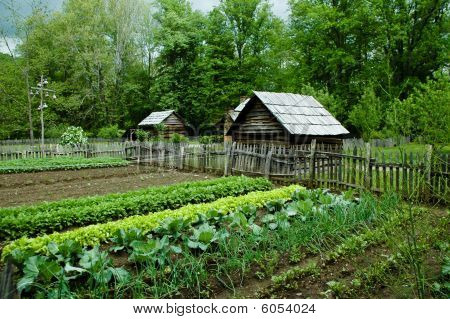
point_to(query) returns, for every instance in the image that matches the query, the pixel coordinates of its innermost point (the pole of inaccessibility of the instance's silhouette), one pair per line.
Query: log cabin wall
(259, 125)
(173, 124)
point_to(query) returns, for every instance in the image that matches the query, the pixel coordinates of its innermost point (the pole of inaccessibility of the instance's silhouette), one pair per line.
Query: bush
(210, 139)
(178, 138)
(46, 218)
(160, 128)
(141, 135)
(74, 136)
(111, 131)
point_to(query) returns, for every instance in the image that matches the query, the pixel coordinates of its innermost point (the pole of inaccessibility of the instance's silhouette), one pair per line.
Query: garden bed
(62, 163)
(29, 188)
(284, 243)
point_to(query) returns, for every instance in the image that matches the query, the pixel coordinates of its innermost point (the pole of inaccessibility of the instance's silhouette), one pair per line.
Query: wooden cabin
(172, 122)
(284, 118)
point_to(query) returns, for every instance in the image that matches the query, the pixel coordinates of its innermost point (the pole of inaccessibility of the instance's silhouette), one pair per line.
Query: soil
(29, 188)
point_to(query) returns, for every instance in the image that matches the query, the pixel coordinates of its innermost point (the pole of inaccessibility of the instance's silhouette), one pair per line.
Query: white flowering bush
(74, 136)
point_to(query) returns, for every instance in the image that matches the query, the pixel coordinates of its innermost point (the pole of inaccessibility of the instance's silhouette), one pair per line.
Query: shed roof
(299, 114)
(156, 118)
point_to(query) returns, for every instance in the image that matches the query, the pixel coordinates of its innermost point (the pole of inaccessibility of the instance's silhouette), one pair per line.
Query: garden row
(56, 216)
(195, 251)
(405, 257)
(58, 163)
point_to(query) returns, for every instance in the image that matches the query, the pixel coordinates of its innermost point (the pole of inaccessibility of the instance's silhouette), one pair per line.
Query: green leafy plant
(154, 251)
(99, 266)
(52, 276)
(74, 136)
(178, 138)
(111, 131)
(159, 128)
(210, 139)
(205, 235)
(123, 239)
(141, 135)
(336, 288)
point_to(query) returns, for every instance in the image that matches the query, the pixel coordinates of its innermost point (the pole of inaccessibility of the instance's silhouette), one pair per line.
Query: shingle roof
(237, 110)
(299, 114)
(156, 118)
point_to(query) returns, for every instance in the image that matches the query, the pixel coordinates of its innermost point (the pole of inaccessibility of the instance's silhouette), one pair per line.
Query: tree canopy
(380, 66)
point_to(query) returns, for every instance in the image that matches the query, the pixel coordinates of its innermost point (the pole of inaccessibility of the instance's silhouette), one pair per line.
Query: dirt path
(28, 188)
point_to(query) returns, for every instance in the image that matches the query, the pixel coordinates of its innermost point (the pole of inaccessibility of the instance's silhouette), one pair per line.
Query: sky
(280, 8)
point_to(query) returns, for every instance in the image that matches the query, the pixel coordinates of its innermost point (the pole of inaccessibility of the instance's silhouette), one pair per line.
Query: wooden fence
(98, 149)
(411, 175)
(421, 175)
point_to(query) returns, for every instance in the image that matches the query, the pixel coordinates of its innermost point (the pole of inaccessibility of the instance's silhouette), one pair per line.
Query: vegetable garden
(228, 237)
(58, 163)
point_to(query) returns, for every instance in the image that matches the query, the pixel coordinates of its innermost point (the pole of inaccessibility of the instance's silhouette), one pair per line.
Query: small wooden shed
(284, 118)
(172, 122)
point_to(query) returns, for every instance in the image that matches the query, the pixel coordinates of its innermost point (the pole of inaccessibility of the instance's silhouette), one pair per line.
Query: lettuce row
(96, 234)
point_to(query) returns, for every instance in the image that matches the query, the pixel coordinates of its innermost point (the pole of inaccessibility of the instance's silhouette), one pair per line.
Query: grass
(414, 148)
(58, 163)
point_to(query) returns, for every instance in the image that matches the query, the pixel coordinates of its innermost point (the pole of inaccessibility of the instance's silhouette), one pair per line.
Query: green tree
(366, 116)
(425, 114)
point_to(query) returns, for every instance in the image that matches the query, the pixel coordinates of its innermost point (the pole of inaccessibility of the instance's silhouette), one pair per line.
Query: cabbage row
(49, 217)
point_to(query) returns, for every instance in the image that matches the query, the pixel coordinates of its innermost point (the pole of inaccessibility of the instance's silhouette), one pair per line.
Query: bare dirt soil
(29, 188)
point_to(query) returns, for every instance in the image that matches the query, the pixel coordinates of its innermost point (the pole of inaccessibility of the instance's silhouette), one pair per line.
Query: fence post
(428, 164)
(226, 159)
(181, 157)
(367, 168)
(203, 158)
(231, 159)
(312, 163)
(138, 150)
(267, 163)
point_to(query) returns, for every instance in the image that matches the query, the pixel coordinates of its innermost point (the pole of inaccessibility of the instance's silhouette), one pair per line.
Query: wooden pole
(367, 168)
(203, 158)
(138, 150)
(267, 163)
(428, 164)
(227, 157)
(231, 159)
(181, 157)
(312, 160)
(41, 107)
